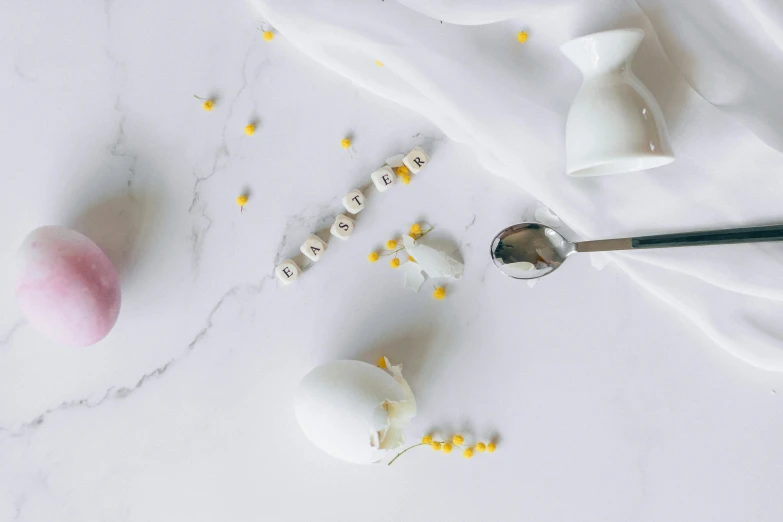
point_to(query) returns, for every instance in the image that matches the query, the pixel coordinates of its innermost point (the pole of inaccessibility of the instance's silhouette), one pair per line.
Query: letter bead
(416, 160)
(383, 178)
(313, 247)
(288, 271)
(354, 201)
(342, 227)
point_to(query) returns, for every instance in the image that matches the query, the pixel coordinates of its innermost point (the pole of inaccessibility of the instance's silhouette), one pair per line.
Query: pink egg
(66, 286)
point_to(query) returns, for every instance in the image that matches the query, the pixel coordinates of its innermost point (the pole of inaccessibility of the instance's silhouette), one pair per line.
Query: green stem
(390, 253)
(407, 449)
(400, 250)
(425, 233)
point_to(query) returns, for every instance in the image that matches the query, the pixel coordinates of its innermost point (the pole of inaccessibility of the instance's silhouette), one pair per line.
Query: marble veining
(609, 406)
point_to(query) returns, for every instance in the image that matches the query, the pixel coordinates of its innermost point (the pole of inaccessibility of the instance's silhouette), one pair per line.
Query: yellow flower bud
(427, 439)
(439, 293)
(458, 440)
(415, 229)
(468, 453)
(447, 448)
(345, 143)
(481, 447)
(382, 362)
(391, 244)
(394, 263)
(208, 105)
(435, 445)
(522, 37)
(268, 35)
(250, 129)
(372, 257)
(491, 447)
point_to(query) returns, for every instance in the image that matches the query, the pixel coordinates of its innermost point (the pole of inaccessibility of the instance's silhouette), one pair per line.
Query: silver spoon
(532, 250)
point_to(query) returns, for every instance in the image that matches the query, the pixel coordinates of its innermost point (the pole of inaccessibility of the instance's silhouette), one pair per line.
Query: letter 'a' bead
(313, 247)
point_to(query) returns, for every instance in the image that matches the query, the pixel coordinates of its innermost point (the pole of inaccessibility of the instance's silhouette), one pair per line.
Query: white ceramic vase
(614, 125)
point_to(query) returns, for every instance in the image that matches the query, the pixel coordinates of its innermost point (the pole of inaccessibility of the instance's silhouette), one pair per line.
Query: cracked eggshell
(435, 263)
(343, 408)
(395, 161)
(66, 286)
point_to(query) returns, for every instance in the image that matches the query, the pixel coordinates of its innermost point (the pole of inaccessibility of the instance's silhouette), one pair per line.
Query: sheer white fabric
(715, 67)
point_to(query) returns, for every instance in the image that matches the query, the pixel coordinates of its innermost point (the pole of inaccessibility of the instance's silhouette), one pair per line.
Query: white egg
(355, 411)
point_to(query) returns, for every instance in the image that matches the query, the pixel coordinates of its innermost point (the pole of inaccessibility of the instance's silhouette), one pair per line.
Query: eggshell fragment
(434, 262)
(66, 286)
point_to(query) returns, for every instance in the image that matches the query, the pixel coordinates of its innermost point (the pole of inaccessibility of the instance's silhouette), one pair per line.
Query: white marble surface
(609, 406)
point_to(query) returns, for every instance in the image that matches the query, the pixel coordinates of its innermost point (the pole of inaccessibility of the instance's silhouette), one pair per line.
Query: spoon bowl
(529, 250)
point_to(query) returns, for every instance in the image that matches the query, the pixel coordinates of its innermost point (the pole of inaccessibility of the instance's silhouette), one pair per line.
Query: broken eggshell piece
(395, 161)
(414, 276)
(434, 262)
(355, 411)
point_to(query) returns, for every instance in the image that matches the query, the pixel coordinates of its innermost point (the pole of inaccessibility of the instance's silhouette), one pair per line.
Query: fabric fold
(508, 102)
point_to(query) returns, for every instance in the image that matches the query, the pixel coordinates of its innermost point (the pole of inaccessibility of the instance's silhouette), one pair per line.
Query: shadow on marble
(412, 349)
(447, 429)
(121, 226)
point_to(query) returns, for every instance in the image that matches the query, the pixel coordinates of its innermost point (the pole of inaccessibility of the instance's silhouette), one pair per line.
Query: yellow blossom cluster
(393, 246)
(415, 232)
(404, 174)
(447, 446)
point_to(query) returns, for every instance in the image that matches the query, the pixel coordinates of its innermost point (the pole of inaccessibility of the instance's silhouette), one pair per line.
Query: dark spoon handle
(711, 237)
(705, 237)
